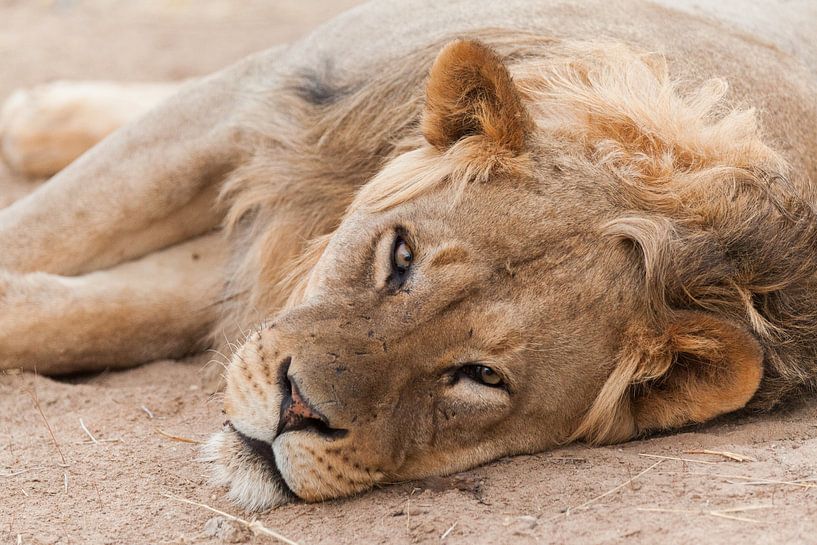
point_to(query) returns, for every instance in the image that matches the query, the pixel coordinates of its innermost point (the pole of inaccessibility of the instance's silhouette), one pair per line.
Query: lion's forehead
(495, 222)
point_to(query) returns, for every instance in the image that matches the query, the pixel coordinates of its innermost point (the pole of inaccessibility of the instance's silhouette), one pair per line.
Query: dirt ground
(108, 458)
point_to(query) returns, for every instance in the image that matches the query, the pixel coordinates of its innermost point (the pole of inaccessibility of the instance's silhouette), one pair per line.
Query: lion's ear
(716, 368)
(470, 92)
(701, 367)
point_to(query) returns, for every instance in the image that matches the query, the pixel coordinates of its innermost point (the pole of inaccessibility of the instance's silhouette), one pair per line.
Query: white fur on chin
(252, 486)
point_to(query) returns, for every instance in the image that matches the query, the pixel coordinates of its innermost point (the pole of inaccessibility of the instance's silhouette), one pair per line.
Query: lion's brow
(448, 255)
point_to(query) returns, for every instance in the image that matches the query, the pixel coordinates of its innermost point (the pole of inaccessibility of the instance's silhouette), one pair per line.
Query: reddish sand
(117, 488)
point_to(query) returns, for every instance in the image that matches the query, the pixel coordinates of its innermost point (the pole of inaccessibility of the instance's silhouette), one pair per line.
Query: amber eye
(403, 256)
(483, 374)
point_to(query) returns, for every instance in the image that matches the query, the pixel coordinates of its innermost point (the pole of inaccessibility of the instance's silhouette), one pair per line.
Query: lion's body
(289, 137)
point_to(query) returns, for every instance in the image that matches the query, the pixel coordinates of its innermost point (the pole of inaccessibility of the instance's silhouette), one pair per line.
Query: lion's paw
(45, 128)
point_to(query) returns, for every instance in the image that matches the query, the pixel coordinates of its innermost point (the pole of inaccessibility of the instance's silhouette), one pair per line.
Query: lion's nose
(297, 413)
(299, 408)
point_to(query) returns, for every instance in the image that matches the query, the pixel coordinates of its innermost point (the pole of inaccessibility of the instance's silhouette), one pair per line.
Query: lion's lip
(263, 451)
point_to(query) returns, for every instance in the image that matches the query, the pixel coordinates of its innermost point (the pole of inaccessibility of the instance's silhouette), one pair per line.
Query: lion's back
(760, 48)
(365, 35)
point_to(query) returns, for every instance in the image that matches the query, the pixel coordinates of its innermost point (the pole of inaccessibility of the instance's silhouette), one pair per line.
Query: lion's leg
(45, 128)
(156, 307)
(149, 185)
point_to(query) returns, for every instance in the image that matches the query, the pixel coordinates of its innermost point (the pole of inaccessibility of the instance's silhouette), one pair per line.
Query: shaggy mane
(715, 222)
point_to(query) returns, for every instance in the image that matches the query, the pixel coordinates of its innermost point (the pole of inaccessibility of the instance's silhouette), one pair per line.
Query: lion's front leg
(45, 128)
(160, 306)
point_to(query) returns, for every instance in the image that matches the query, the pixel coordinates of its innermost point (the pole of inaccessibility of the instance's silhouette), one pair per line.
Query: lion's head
(551, 262)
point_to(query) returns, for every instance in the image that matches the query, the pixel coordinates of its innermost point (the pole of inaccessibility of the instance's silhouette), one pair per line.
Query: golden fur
(683, 161)
(628, 250)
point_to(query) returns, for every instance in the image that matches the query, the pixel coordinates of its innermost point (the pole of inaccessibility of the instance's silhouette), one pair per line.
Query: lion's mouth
(260, 448)
(256, 475)
(297, 414)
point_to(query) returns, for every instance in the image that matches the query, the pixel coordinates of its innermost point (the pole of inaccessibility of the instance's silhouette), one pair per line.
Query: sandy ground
(113, 483)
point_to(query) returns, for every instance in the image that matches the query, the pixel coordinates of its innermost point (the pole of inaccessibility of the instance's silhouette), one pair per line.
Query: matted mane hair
(707, 208)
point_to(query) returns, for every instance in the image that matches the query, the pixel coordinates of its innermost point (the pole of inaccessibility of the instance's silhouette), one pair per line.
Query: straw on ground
(253, 525)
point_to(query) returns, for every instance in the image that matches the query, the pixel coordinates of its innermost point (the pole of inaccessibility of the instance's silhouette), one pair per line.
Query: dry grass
(677, 459)
(753, 480)
(720, 513)
(32, 393)
(253, 525)
(613, 490)
(178, 438)
(20, 472)
(723, 453)
(447, 532)
(87, 431)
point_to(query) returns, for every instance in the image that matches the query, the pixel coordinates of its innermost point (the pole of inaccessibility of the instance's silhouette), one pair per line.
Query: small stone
(226, 531)
(527, 522)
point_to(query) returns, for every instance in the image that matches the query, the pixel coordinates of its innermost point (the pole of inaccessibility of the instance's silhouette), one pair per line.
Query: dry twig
(253, 525)
(178, 438)
(447, 532)
(20, 472)
(611, 491)
(720, 513)
(690, 460)
(33, 395)
(87, 432)
(726, 454)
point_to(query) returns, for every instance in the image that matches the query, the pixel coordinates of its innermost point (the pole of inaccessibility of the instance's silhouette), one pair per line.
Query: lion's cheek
(252, 400)
(315, 469)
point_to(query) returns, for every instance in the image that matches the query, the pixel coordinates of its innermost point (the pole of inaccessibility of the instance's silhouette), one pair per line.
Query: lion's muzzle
(318, 400)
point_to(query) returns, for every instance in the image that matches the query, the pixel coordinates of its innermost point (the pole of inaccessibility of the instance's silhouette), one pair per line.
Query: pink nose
(299, 409)
(298, 414)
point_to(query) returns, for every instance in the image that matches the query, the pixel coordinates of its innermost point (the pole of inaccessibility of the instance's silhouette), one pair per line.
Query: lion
(436, 235)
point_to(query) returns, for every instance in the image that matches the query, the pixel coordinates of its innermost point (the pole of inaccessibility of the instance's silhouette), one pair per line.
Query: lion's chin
(254, 483)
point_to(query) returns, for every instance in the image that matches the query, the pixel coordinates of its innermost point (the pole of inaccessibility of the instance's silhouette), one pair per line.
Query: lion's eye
(402, 256)
(483, 374)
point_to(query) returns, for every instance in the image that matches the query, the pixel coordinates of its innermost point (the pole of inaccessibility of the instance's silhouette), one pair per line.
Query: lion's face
(433, 338)
(455, 326)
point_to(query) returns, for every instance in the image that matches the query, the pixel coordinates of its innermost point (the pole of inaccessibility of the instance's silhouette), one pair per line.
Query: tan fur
(46, 128)
(470, 91)
(628, 242)
(668, 379)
